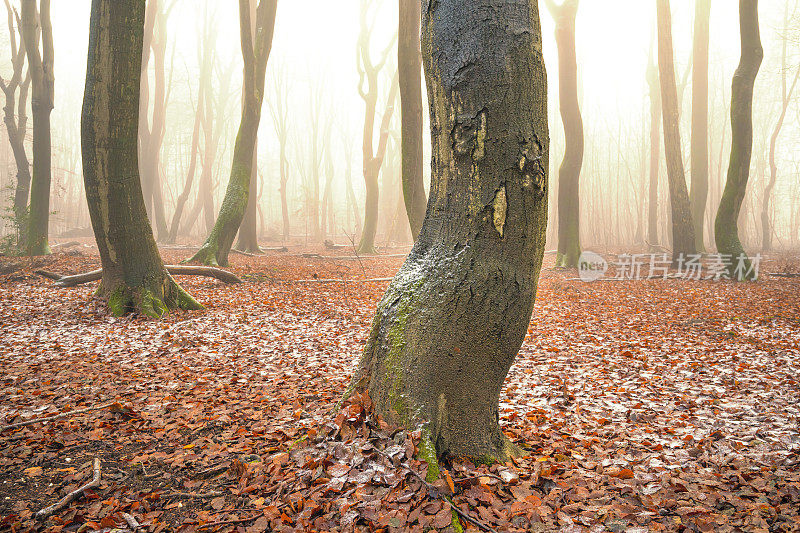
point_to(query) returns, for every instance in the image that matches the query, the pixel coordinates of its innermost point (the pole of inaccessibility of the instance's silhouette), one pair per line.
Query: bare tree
(279, 110)
(699, 148)
(655, 152)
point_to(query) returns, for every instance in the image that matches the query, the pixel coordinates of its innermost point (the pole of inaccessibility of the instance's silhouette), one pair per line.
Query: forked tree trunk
(454, 317)
(217, 246)
(134, 278)
(699, 149)
(683, 241)
(655, 154)
(40, 65)
(725, 226)
(569, 238)
(409, 66)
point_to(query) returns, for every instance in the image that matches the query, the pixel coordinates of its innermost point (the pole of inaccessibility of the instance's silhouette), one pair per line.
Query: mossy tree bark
(134, 278)
(683, 241)
(726, 230)
(786, 98)
(409, 66)
(217, 246)
(699, 148)
(451, 323)
(40, 66)
(655, 153)
(569, 238)
(16, 121)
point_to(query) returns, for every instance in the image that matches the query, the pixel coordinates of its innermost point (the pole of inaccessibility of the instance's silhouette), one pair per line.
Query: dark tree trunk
(134, 278)
(683, 241)
(16, 120)
(655, 154)
(40, 66)
(217, 246)
(786, 98)
(569, 238)
(699, 155)
(409, 66)
(725, 226)
(248, 232)
(451, 323)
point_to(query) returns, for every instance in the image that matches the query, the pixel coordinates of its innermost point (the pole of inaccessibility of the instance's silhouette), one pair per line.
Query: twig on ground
(191, 495)
(63, 502)
(132, 522)
(230, 522)
(341, 280)
(57, 417)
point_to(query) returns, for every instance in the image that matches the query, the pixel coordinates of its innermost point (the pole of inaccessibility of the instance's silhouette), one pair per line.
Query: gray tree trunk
(699, 150)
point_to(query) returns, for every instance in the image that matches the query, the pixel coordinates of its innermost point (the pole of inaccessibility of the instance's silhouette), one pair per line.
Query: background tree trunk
(655, 154)
(725, 226)
(453, 319)
(409, 66)
(569, 235)
(134, 278)
(40, 65)
(683, 241)
(217, 246)
(699, 150)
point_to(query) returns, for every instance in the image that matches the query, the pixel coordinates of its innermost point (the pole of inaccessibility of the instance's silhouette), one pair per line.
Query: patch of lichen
(427, 453)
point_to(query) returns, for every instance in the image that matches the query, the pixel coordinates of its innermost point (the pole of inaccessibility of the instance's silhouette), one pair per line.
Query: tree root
(177, 270)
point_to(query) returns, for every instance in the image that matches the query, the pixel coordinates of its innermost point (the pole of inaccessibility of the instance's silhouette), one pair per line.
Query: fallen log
(176, 270)
(63, 502)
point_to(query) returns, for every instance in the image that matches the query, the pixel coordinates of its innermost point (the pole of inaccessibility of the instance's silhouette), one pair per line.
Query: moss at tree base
(123, 299)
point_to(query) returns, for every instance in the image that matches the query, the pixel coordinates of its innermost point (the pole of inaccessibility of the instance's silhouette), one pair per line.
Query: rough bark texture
(409, 66)
(134, 278)
(683, 241)
(569, 238)
(786, 97)
(16, 121)
(40, 65)
(699, 149)
(725, 226)
(454, 317)
(655, 154)
(217, 246)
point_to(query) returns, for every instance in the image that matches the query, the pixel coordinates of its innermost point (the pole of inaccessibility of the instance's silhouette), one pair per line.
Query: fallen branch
(784, 274)
(332, 280)
(191, 495)
(63, 502)
(176, 270)
(230, 522)
(56, 417)
(69, 244)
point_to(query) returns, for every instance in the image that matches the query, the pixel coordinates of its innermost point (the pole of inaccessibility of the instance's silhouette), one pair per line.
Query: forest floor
(663, 405)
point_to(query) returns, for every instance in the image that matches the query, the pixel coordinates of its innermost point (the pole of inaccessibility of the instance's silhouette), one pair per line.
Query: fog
(314, 57)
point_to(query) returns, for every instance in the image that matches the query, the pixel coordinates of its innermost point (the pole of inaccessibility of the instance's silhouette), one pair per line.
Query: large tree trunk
(655, 154)
(699, 150)
(786, 97)
(683, 241)
(725, 226)
(248, 232)
(134, 278)
(409, 66)
(569, 239)
(16, 120)
(217, 246)
(40, 65)
(451, 323)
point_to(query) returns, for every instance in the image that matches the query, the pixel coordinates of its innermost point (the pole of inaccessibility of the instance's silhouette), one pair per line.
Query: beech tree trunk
(248, 231)
(134, 278)
(699, 150)
(40, 66)
(454, 317)
(569, 238)
(16, 121)
(217, 246)
(655, 154)
(683, 240)
(409, 66)
(725, 226)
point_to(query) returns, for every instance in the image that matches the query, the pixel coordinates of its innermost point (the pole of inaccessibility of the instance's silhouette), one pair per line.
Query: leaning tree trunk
(725, 226)
(409, 66)
(217, 246)
(40, 66)
(134, 278)
(569, 239)
(451, 323)
(683, 241)
(699, 149)
(655, 155)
